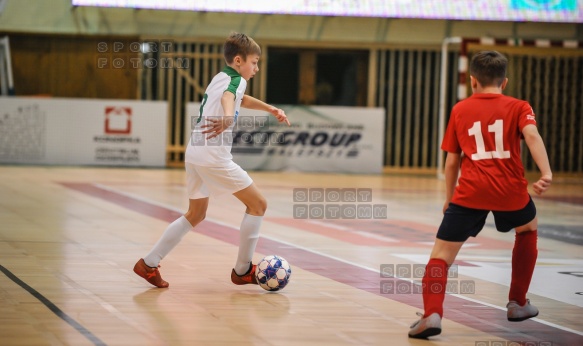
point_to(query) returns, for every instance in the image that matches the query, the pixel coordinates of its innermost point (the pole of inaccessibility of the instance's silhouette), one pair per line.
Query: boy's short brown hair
(239, 44)
(489, 68)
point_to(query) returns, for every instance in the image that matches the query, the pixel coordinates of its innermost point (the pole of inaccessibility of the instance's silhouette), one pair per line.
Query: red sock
(523, 260)
(434, 282)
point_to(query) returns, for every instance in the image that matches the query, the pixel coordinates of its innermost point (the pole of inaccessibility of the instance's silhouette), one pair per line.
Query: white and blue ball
(273, 273)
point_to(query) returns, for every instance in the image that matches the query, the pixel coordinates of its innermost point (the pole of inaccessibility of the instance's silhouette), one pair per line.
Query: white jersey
(215, 152)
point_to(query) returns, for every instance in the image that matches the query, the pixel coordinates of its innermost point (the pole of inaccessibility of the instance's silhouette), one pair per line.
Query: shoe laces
(154, 270)
(418, 321)
(515, 303)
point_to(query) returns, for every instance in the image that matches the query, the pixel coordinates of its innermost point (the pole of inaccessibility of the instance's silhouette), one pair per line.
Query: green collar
(231, 71)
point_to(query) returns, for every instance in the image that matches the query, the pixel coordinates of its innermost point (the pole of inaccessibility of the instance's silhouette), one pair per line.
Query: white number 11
(498, 130)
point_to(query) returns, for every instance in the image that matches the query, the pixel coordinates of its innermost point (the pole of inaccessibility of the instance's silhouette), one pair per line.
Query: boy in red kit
(483, 137)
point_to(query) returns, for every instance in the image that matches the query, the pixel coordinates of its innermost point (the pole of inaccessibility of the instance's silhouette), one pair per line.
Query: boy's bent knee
(257, 208)
(194, 218)
(531, 226)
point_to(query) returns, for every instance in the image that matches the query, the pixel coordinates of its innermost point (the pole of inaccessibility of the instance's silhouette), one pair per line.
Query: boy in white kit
(209, 164)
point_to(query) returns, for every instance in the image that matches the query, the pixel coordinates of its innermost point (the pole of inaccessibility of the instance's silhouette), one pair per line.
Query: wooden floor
(69, 238)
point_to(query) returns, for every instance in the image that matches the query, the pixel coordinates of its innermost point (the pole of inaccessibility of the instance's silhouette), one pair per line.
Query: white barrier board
(321, 139)
(62, 131)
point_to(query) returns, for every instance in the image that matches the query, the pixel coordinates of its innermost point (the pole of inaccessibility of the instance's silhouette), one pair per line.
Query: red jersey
(487, 128)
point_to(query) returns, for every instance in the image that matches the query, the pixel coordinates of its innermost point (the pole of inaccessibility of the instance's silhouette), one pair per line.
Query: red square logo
(118, 120)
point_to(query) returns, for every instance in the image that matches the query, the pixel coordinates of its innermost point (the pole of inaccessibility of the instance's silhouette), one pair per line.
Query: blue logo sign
(544, 5)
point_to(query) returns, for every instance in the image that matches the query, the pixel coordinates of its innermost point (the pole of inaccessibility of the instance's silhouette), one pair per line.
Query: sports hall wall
(61, 42)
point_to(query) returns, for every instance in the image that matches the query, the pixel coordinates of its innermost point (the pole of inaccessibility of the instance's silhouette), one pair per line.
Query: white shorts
(202, 181)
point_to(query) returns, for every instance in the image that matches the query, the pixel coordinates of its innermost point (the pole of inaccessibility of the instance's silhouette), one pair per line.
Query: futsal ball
(273, 273)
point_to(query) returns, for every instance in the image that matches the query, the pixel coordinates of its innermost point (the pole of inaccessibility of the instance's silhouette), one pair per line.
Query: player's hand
(446, 205)
(279, 114)
(217, 125)
(542, 184)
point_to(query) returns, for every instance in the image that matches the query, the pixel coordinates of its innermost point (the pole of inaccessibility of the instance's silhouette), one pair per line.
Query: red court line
(401, 233)
(571, 199)
(484, 318)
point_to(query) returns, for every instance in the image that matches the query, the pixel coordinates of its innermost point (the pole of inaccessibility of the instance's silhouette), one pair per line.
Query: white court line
(110, 308)
(350, 230)
(410, 280)
(335, 258)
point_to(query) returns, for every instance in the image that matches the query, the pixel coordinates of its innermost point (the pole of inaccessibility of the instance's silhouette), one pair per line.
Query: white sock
(170, 238)
(247, 241)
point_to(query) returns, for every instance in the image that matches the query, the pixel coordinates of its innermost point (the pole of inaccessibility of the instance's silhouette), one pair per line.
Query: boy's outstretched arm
(451, 170)
(539, 154)
(251, 102)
